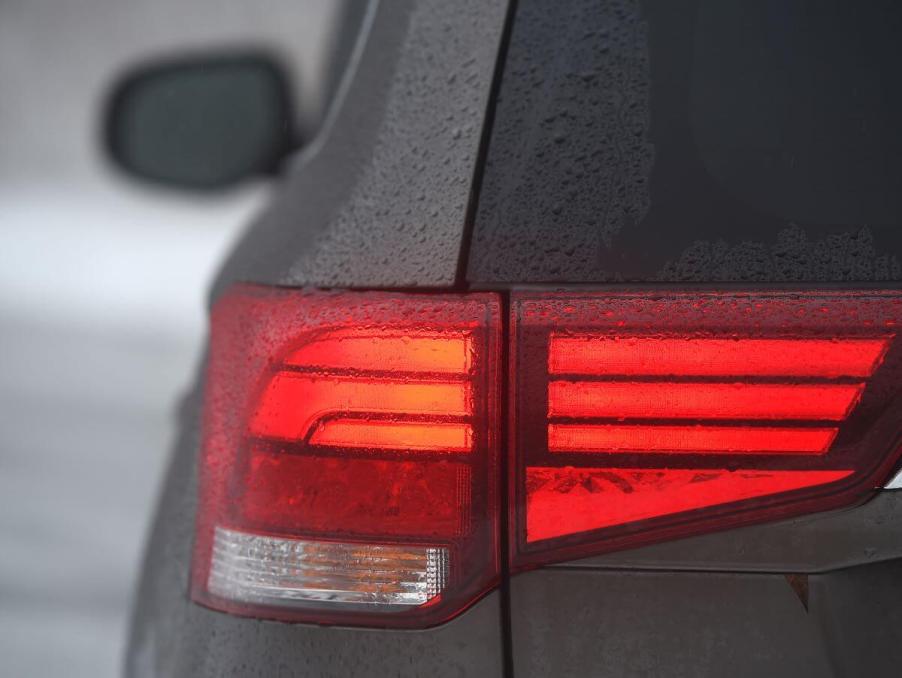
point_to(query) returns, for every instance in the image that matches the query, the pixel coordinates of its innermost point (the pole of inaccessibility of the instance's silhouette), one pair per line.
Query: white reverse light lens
(268, 570)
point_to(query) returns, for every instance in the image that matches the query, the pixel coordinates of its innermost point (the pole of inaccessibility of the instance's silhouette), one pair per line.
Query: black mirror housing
(201, 122)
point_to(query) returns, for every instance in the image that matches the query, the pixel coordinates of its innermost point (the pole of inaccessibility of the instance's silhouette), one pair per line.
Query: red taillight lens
(349, 469)
(639, 417)
(350, 463)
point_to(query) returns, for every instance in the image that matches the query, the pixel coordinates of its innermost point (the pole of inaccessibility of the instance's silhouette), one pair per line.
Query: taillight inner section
(643, 416)
(350, 463)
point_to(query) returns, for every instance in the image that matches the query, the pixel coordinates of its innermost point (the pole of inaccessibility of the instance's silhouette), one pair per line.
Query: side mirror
(203, 122)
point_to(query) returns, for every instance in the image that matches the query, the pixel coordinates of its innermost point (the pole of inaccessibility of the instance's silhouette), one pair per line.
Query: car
(568, 347)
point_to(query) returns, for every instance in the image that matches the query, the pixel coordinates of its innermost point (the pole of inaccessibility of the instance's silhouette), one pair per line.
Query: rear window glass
(796, 107)
(706, 141)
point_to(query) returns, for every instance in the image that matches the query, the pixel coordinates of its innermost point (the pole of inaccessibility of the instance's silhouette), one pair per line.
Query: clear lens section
(278, 571)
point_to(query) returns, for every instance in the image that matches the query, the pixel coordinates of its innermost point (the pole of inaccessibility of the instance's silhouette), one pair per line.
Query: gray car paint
(380, 199)
(576, 622)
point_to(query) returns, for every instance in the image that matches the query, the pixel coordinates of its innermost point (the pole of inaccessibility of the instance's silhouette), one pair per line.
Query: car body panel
(576, 622)
(379, 199)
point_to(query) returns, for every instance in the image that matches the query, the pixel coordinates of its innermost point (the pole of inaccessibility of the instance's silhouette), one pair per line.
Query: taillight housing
(351, 458)
(349, 469)
(645, 416)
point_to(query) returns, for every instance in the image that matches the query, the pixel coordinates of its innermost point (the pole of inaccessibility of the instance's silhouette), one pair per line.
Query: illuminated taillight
(351, 455)
(349, 467)
(640, 417)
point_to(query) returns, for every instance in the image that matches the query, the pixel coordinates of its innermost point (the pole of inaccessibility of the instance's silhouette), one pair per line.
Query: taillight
(646, 416)
(351, 453)
(350, 461)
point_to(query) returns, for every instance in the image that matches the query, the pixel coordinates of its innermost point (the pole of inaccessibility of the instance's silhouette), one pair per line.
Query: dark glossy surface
(202, 123)
(648, 140)
(620, 623)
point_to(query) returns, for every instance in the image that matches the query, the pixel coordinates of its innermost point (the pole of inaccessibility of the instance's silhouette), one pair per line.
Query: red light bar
(349, 466)
(642, 400)
(348, 349)
(628, 356)
(394, 435)
(293, 402)
(700, 439)
(639, 416)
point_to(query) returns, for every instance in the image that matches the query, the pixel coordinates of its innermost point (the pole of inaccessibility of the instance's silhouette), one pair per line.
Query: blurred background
(103, 275)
